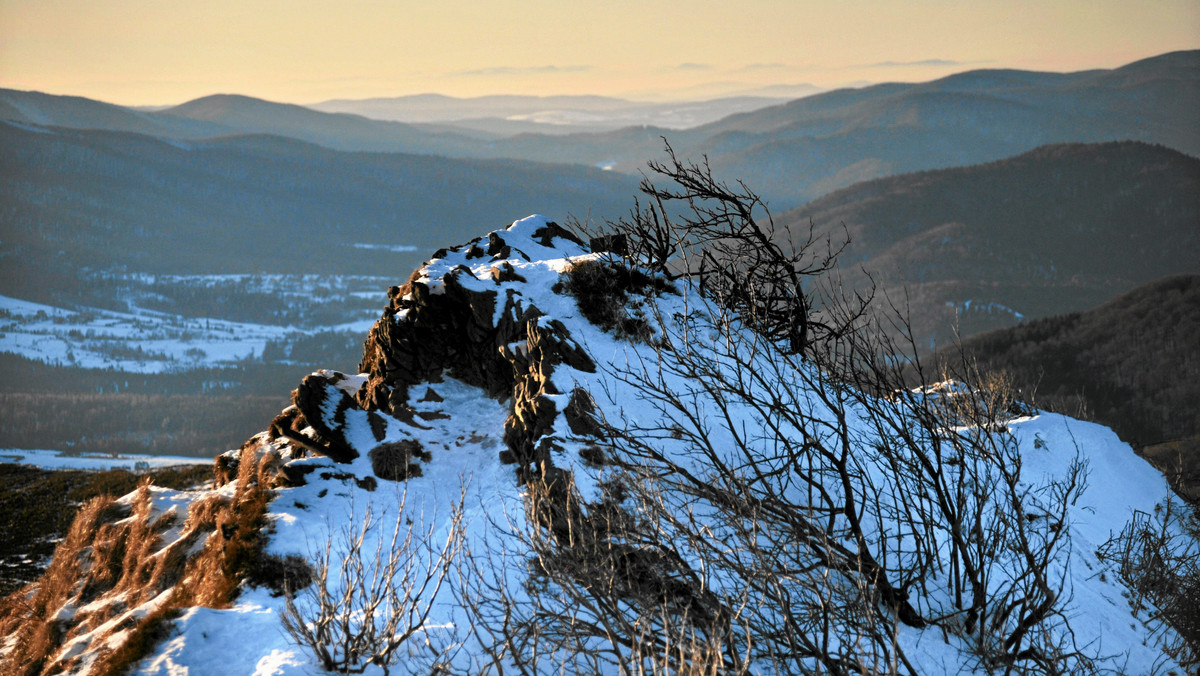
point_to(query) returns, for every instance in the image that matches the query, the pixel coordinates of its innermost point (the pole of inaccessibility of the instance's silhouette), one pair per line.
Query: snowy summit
(556, 460)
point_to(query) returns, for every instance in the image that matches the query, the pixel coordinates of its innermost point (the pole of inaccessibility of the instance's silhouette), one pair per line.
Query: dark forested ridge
(121, 423)
(100, 199)
(194, 412)
(1132, 364)
(1055, 230)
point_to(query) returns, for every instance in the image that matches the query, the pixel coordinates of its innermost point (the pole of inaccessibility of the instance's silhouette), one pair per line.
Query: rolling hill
(811, 146)
(509, 115)
(790, 153)
(77, 112)
(798, 151)
(339, 131)
(1058, 229)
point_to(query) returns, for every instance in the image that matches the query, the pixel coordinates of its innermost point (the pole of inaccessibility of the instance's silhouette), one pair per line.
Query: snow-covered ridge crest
(493, 419)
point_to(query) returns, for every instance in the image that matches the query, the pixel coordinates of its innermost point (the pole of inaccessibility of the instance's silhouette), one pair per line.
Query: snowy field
(149, 341)
(57, 460)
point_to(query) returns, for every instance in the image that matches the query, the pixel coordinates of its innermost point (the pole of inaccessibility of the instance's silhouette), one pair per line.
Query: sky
(159, 52)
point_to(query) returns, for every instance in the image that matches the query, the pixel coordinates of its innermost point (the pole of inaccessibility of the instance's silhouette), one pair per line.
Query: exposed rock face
(453, 318)
(461, 317)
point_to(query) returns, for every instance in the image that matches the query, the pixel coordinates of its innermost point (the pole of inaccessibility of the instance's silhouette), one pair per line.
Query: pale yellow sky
(168, 51)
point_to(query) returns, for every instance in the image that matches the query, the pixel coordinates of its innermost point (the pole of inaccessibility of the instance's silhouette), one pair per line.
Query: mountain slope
(1054, 230)
(93, 199)
(800, 150)
(495, 438)
(76, 112)
(546, 114)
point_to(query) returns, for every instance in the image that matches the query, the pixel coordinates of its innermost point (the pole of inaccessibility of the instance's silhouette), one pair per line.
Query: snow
(244, 639)
(465, 469)
(463, 432)
(393, 248)
(989, 307)
(105, 339)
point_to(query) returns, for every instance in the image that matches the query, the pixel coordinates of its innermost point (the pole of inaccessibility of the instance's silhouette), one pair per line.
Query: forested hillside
(1055, 230)
(98, 199)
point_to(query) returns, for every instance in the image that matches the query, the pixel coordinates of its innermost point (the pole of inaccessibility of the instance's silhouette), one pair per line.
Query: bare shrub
(603, 288)
(807, 500)
(365, 604)
(724, 237)
(597, 594)
(1158, 556)
(282, 574)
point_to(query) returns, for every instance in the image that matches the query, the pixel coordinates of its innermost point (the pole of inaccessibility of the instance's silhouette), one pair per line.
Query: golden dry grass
(29, 613)
(116, 551)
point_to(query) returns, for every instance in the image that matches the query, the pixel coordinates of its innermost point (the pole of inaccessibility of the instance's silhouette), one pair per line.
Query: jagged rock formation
(450, 319)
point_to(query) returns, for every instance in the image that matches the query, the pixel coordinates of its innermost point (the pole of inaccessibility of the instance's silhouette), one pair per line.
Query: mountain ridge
(229, 204)
(1129, 364)
(797, 151)
(1042, 233)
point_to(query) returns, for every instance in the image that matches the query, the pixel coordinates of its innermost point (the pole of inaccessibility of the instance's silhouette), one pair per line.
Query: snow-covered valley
(142, 338)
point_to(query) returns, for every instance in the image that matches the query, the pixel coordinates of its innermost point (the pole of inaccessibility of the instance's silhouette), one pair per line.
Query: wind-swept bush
(776, 500)
(1158, 556)
(364, 602)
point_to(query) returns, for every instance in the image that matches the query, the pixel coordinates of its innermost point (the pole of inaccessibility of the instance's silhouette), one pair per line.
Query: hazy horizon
(138, 52)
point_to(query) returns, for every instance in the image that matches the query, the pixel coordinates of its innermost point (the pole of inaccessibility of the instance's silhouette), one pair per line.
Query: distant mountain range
(791, 153)
(510, 115)
(798, 151)
(1057, 229)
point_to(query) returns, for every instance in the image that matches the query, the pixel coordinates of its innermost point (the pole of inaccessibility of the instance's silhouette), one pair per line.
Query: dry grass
(234, 552)
(139, 642)
(115, 550)
(28, 613)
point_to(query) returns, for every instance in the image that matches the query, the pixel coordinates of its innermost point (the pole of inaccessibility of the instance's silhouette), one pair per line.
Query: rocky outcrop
(462, 315)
